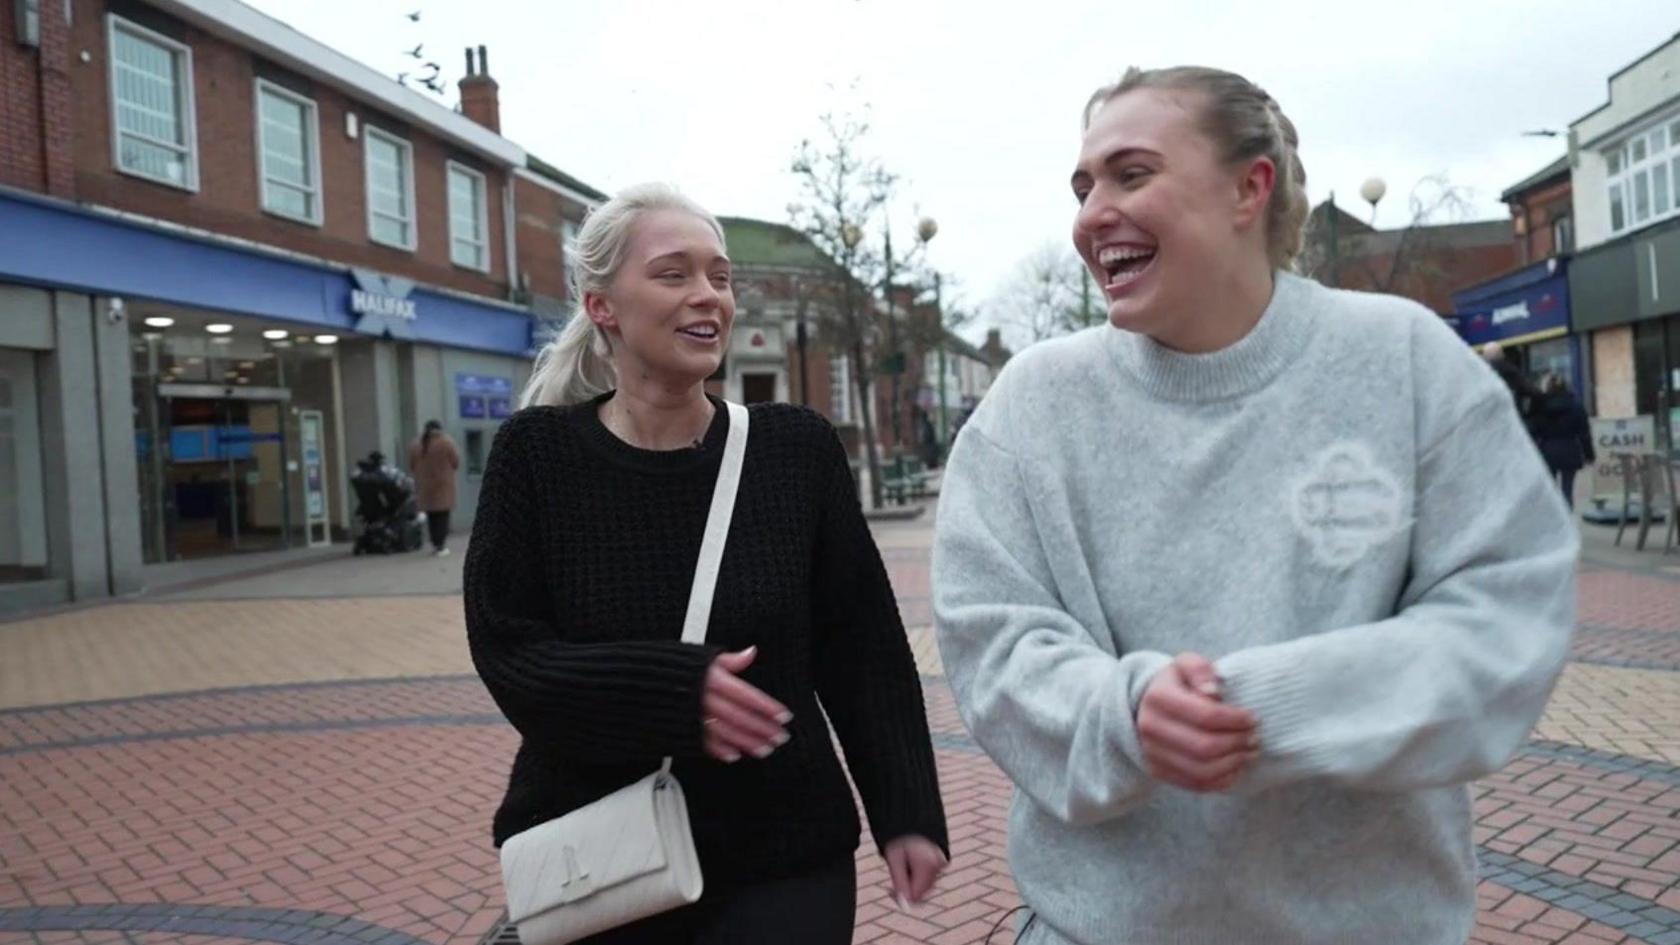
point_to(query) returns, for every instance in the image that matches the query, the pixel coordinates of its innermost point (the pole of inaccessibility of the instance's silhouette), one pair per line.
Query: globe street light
(1373, 190)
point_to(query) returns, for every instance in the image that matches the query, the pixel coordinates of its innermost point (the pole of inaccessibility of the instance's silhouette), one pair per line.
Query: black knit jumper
(577, 580)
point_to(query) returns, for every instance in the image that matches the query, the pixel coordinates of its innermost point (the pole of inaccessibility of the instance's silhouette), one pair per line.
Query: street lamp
(1373, 190)
(926, 230)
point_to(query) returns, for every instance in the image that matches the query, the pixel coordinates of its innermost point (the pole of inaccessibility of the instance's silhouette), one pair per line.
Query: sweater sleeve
(1446, 690)
(866, 674)
(1049, 703)
(599, 703)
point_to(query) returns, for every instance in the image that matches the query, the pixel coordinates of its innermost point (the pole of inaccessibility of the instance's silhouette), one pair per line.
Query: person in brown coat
(434, 459)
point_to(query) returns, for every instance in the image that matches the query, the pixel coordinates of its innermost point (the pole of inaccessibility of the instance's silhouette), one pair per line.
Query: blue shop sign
(49, 242)
(487, 385)
(1523, 306)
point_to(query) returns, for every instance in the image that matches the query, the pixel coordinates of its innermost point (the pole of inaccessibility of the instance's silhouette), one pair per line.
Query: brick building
(235, 261)
(1425, 263)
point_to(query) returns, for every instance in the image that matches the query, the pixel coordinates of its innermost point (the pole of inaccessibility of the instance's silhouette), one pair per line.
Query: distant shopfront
(197, 397)
(1627, 293)
(1527, 313)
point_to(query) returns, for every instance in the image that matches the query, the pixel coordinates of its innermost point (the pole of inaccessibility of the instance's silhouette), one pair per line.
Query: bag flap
(600, 845)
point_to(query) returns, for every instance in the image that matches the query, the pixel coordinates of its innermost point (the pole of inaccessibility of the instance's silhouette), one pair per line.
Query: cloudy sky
(976, 104)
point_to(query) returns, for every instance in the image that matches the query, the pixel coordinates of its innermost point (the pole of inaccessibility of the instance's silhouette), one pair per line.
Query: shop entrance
(219, 483)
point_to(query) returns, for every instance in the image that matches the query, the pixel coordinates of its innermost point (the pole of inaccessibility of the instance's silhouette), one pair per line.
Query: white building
(1625, 279)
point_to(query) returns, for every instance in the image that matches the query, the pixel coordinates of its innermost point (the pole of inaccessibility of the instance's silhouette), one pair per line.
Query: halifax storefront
(167, 394)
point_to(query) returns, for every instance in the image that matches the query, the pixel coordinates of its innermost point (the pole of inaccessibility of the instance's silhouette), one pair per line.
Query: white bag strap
(717, 532)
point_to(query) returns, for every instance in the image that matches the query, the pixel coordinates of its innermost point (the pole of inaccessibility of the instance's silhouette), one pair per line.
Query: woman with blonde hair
(589, 526)
(1240, 623)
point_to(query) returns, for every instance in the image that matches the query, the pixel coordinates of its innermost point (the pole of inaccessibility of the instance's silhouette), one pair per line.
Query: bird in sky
(415, 52)
(415, 16)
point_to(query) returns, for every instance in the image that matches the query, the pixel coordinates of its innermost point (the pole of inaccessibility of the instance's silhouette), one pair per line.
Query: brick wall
(228, 196)
(540, 213)
(1429, 276)
(1533, 214)
(35, 108)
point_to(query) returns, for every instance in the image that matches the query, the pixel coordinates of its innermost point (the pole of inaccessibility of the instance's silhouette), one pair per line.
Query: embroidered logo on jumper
(1346, 505)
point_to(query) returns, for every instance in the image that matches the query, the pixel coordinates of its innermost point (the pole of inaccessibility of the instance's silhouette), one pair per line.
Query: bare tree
(1047, 295)
(842, 192)
(1387, 260)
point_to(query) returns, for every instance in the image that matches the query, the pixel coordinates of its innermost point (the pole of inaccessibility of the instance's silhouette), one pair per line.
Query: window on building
(1644, 177)
(152, 106)
(840, 389)
(1563, 235)
(290, 160)
(390, 189)
(469, 220)
(23, 529)
(568, 255)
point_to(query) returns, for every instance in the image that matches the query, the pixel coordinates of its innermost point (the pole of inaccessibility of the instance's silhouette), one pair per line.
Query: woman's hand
(915, 864)
(739, 719)
(1190, 738)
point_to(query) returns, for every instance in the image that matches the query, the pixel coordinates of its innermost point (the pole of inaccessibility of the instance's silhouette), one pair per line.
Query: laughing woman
(1242, 588)
(577, 581)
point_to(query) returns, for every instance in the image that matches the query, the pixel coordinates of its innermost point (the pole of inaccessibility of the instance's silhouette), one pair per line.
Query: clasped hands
(1190, 737)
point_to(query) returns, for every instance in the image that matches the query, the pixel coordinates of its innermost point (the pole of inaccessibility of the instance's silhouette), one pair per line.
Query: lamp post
(1373, 190)
(926, 230)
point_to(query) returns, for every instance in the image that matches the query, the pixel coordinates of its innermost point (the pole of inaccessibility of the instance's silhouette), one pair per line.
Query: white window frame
(369, 132)
(186, 102)
(482, 183)
(312, 132)
(1622, 183)
(840, 378)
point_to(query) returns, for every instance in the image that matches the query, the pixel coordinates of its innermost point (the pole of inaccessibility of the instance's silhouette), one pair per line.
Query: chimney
(479, 99)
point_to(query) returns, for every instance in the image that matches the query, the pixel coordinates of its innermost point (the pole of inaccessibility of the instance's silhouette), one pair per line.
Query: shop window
(475, 452)
(289, 153)
(23, 525)
(390, 189)
(152, 105)
(469, 224)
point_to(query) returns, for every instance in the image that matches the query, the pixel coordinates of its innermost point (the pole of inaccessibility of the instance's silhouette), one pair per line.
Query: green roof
(762, 243)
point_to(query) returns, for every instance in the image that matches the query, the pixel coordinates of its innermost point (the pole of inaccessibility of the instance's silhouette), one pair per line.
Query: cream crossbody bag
(630, 854)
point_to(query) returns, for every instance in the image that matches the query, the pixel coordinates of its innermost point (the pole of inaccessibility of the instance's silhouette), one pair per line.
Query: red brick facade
(539, 221)
(1535, 221)
(35, 108)
(56, 128)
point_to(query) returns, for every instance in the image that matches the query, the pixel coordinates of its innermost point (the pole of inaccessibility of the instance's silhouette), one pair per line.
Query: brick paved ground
(333, 784)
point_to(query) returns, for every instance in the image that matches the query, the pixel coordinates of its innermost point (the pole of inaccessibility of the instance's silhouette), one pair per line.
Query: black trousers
(1566, 480)
(813, 909)
(437, 524)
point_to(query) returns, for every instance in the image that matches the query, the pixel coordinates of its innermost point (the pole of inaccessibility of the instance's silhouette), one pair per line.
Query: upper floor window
(1644, 174)
(390, 189)
(152, 106)
(469, 223)
(1563, 235)
(288, 153)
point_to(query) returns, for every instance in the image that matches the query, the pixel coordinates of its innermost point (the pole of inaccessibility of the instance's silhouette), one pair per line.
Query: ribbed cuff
(1268, 682)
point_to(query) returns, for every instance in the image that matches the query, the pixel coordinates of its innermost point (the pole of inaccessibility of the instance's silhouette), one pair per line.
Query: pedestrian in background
(1524, 393)
(1564, 435)
(435, 461)
(578, 577)
(1223, 585)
